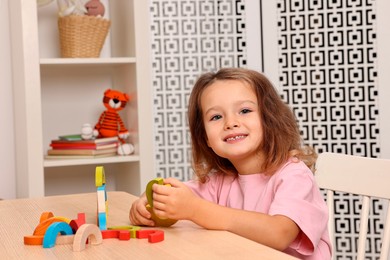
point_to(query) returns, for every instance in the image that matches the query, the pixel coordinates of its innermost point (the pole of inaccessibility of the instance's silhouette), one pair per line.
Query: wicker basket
(82, 36)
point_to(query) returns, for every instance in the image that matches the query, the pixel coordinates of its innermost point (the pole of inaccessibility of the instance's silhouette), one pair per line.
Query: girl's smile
(232, 138)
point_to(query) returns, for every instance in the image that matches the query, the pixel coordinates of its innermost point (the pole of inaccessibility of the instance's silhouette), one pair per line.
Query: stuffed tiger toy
(110, 123)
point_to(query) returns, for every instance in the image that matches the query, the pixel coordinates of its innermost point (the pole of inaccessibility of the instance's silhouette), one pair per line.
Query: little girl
(253, 175)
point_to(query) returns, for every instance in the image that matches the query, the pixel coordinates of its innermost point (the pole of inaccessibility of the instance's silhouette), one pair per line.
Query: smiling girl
(253, 174)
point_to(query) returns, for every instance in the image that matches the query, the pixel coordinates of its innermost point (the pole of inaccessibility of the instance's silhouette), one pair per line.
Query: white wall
(7, 157)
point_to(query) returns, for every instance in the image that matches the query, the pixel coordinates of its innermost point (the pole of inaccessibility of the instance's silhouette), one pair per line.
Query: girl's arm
(179, 202)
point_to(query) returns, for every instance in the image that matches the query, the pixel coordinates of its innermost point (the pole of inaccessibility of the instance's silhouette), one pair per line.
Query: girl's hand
(138, 214)
(175, 202)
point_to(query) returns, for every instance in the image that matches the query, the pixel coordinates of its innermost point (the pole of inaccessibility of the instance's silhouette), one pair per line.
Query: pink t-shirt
(291, 192)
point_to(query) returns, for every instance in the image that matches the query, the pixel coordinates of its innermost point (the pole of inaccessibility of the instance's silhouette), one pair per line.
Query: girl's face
(232, 122)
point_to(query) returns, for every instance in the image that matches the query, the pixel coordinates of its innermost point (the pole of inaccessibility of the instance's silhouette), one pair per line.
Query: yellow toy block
(100, 177)
(132, 229)
(102, 205)
(159, 221)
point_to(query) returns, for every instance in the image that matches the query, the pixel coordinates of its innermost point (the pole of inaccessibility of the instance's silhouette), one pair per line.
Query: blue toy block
(102, 218)
(49, 240)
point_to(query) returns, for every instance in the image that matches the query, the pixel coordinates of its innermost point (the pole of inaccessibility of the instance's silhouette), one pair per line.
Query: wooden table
(184, 240)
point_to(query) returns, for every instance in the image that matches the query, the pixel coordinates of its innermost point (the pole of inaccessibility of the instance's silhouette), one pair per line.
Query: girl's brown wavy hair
(281, 135)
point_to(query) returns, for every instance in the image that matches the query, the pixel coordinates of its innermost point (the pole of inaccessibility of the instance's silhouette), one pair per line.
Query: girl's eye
(245, 111)
(216, 117)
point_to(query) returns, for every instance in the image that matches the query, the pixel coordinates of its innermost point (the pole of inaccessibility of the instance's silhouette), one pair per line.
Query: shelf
(87, 61)
(72, 162)
(56, 96)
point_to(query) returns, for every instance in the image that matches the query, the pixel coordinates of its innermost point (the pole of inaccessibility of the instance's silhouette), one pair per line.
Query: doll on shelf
(110, 123)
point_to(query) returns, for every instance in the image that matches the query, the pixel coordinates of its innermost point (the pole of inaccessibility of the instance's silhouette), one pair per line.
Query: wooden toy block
(76, 223)
(143, 233)
(100, 181)
(124, 235)
(159, 221)
(33, 240)
(149, 191)
(102, 221)
(42, 226)
(120, 234)
(100, 177)
(106, 234)
(87, 231)
(102, 198)
(49, 239)
(152, 235)
(156, 237)
(65, 240)
(45, 215)
(81, 217)
(133, 232)
(131, 229)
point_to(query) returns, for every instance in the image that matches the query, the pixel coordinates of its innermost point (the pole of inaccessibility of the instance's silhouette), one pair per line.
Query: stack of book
(73, 146)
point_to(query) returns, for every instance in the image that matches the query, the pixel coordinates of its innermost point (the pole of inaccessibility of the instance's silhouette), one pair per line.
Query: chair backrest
(369, 177)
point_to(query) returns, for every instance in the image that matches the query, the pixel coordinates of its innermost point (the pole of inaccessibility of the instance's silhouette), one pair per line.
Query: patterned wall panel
(327, 68)
(188, 37)
(328, 74)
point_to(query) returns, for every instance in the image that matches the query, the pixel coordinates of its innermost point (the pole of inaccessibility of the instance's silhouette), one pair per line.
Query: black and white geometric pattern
(328, 74)
(188, 37)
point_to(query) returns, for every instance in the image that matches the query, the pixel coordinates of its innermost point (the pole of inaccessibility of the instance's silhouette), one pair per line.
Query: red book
(93, 144)
(83, 145)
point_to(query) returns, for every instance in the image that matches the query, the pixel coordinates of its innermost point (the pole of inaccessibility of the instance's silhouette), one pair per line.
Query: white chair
(368, 177)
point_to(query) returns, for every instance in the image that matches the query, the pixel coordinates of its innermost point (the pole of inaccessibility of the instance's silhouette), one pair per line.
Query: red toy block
(81, 218)
(120, 234)
(152, 235)
(131, 229)
(157, 236)
(76, 223)
(109, 234)
(143, 233)
(124, 235)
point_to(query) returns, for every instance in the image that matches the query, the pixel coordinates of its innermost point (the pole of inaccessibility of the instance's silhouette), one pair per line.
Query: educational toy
(159, 221)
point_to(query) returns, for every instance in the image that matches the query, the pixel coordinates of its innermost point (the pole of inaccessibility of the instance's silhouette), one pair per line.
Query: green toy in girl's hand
(159, 221)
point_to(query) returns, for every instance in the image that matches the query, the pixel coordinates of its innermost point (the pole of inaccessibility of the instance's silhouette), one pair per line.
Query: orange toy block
(87, 231)
(45, 215)
(33, 240)
(152, 235)
(40, 230)
(47, 219)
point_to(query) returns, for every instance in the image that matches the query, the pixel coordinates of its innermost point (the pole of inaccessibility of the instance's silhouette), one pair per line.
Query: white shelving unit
(54, 96)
